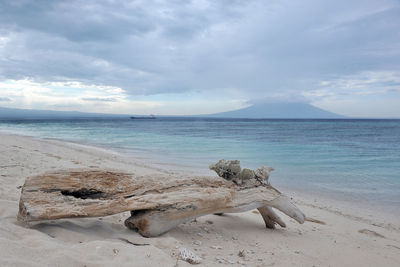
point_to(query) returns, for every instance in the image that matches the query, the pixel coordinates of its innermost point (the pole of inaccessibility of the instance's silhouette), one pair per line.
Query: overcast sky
(194, 57)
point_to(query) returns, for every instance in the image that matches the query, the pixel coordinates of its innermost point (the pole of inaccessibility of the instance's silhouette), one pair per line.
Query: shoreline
(377, 214)
(308, 244)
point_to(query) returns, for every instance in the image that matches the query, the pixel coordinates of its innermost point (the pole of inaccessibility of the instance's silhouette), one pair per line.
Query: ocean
(353, 160)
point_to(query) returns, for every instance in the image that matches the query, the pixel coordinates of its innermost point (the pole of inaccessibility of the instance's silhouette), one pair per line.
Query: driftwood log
(157, 203)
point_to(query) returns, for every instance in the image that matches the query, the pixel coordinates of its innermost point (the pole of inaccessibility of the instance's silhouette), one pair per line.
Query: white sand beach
(236, 239)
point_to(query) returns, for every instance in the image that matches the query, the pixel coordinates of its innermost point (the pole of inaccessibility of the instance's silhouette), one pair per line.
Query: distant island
(279, 111)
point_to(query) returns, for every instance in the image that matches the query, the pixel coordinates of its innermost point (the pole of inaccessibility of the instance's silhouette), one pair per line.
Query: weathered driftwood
(157, 203)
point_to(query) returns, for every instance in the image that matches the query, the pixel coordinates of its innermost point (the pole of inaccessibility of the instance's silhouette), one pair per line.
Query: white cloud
(363, 83)
(74, 95)
(365, 94)
(70, 95)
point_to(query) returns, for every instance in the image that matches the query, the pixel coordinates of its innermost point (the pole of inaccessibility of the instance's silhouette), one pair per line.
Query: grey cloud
(5, 99)
(77, 20)
(252, 49)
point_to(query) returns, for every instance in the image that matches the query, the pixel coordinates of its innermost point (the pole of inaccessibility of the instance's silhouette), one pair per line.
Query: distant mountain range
(279, 111)
(15, 113)
(258, 111)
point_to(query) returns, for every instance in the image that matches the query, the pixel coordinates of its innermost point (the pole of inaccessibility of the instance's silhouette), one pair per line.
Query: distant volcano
(279, 111)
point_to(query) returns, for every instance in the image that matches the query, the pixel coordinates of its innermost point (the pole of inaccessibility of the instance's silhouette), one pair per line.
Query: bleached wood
(157, 202)
(270, 217)
(156, 222)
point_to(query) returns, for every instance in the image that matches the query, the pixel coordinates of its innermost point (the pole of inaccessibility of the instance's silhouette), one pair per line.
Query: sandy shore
(344, 240)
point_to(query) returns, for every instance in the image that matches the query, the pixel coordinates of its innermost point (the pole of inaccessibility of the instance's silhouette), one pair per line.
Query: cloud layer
(315, 51)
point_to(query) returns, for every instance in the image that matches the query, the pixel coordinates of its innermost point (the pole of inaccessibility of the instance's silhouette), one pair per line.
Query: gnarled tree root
(156, 222)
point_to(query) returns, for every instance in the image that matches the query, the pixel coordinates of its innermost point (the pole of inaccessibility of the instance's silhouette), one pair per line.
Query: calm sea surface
(357, 160)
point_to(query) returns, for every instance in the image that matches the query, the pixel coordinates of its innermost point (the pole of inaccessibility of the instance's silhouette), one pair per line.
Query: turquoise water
(358, 160)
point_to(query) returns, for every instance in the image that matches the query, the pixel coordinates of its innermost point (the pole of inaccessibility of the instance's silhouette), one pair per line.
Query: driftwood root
(158, 203)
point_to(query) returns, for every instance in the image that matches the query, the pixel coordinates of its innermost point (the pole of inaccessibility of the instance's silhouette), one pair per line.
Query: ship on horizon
(143, 117)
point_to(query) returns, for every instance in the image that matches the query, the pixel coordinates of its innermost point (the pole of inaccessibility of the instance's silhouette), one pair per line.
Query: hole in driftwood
(84, 193)
(139, 212)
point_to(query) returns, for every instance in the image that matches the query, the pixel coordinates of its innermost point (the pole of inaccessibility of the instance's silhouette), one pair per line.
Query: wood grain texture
(160, 201)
